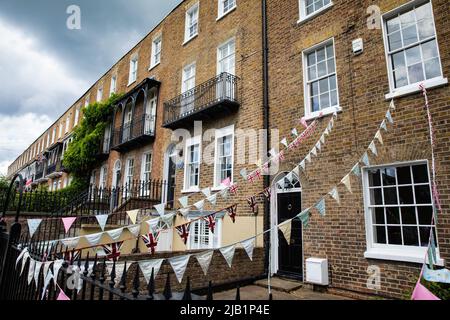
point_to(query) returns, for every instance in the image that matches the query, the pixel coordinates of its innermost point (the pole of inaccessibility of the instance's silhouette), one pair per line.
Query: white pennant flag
(346, 181)
(179, 265)
(296, 171)
(115, 234)
(327, 131)
(308, 158)
(47, 280)
(37, 270)
(294, 132)
(46, 268)
(56, 267)
(206, 192)
(167, 219)
(160, 208)
(204, 260)
(379, 137)
(319, 146)
(243, 173)
(249, 246)
(184, 201)
(290, 177)
(135, 230)
(199, 205)
(322, 139)
(373, 148)
(284, 142)
(94, 238)
(286, 229)
(184, 211)
(101, 219)
(392, 105)
(225, 193)
(133, 215)
(120, 268)
(33, 225)
(21, 255)
(147, 267)
(303, 165)
(25, 258)
(335, 195)
(314, 151)
(272, 153)
(70, 243)
(31, 270)
(228, 254)
(213, 199)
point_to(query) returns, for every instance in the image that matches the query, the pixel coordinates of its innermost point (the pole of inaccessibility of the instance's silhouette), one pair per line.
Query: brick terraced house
(222, 70)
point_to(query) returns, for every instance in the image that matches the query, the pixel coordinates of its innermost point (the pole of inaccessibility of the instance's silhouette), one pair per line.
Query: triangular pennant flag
(442, 275)
(232, 211)
(346, 181)
(21, 255)
(183, 232)
(389, 117)
(318, 145)
(101, 219)
(272, 153)
(33, 225)
(373, 148)
(211, 222)
(134, 230)
(314, 151)
(320, 206)
(335, 195)
(68, 223)
(167, 219)
(356, 170)
(304, 218)
(94, 239)
(303, 165)
(115, 234)
(46, 268)
(151, 241)
(224, 193)
(296, 171)
(290, 176)
(204, 260)
(249, 246)
(365, 159)
(392, 105)
(47, 279)
(70, 243)
(379, 137)
(303, 122)
(322, 138)
(56, 267)
(184, 201)
(149, 265)
(37, 271)
(160, 208)
(62, 296)
(384, 126)
(207, 192)
(228, 254)
(25, 258)
(308, 158)
(294, 132)
(284, 142)
(226, 182)
(286, 229)
(422, 293)
(132, 214)
(243, 173)
(179, 265)
(31, 270)
(213, 199)
(184, 211)
(327, 131)
(199, 205)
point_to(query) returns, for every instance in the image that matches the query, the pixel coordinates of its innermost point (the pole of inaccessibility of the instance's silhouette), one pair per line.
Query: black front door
(290, 261)
(171, 181)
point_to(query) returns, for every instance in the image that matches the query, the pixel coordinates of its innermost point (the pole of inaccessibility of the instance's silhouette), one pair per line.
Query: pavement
(282, 289)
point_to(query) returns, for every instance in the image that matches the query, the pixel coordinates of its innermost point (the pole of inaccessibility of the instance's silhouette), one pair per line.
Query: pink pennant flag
(303, 122)
(68, 223)
(226, 182)
(422, 293)
(62, 296)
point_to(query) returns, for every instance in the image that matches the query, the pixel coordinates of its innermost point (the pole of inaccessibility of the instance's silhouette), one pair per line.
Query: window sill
(130, 83)
(219, 188)
(323, 113)
(413, 255)
(314, 14)
(192, 190)
(186, 41)
(154, 66)
(226, 13)
(414, 88)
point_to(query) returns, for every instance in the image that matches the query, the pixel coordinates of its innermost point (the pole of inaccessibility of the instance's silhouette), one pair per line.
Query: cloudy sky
(45, 67)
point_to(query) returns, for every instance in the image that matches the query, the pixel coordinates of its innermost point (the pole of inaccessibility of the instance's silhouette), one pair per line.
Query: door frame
(170, 149)
(274, 266)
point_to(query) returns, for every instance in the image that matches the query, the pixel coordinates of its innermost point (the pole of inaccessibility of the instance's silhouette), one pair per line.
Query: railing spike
(210, 297)
(136, 283)
(151, 285)
(187, 292)
(238, 293)
(167, 290)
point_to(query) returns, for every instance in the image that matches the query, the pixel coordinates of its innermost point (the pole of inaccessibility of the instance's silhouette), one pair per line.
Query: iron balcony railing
(39, 175)
(134, 130)
(221, 89)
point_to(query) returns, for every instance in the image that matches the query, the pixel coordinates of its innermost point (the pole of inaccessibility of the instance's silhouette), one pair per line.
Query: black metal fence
(135, 129)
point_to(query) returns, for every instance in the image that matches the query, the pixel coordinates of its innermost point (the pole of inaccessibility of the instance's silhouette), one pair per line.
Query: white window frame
(67, 123)
(134, 65)
(189, 143)
(220, 59)
(77, 116)
(188, 23)
(153, 61)
(389, 251)
(61, 127)
(306, 92)
(87, 101)
(220, 133)
(411, 88)
(99, 94)
(103, 180)
(53, 135)
(212, 237)
(143, 163)
(113, 85)
(126, 175)
(305, 17)
(221, 6)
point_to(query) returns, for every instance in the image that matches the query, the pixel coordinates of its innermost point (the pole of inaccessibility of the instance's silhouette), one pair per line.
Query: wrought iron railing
(135, 129)
(223, 87)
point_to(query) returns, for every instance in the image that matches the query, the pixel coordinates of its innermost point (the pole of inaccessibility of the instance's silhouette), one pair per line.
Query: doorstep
(280, 284)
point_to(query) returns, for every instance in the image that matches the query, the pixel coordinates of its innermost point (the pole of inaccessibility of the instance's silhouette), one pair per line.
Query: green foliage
(4, 183)
(80, 158)
(440, 290)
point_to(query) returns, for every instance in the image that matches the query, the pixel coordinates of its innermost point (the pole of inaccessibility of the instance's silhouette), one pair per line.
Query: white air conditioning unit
(317, 271)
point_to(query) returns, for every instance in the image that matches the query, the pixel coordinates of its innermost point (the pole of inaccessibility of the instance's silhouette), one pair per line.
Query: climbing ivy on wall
(81, 156)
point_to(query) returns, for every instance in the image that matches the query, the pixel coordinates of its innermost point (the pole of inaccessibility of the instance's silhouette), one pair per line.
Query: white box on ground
(317, 271)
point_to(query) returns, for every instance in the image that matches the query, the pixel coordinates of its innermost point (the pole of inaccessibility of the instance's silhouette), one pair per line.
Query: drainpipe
(265, 64)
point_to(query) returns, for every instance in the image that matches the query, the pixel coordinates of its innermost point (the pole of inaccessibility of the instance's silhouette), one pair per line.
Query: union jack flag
(252, 203)
(183, 232)
(234, 188)
(267, 193)
(112, 250)
(232, 212)
(211, 221)
(151, 241)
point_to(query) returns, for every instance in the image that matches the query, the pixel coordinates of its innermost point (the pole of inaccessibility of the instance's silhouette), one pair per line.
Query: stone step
(279, 284)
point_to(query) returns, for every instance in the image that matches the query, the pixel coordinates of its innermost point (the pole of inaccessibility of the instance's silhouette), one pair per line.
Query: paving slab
(280, 284)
